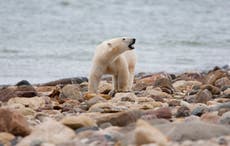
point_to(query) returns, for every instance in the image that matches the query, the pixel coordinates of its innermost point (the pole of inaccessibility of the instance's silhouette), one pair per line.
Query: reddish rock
(203, 96)
(214, 90)
(13, 122)
(213, 76)
(210, 118)
(17, 91)
(165, 84)
(174, 102)
(225, 81)
(164, 113)
(149, 80)
(191, 76)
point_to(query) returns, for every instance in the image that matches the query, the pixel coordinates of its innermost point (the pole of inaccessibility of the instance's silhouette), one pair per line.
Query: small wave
(189, 43)
(9, 51)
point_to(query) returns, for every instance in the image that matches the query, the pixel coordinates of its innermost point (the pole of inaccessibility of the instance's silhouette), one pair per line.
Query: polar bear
(116, 57)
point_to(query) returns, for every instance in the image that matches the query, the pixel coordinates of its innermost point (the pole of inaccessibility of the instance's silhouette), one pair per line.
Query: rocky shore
(186, 109)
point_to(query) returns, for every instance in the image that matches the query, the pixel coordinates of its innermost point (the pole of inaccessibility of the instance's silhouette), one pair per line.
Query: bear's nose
(134, 40)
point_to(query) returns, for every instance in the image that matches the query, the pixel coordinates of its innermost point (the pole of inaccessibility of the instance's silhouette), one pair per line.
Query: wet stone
(204, 96)
(183, 111)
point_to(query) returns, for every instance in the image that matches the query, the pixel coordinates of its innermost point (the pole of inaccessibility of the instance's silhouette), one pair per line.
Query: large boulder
(13, 122)
(48, 132)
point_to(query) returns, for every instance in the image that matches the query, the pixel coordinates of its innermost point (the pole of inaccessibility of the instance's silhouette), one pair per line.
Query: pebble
(183, 109)
(145, 134)
(80, 121)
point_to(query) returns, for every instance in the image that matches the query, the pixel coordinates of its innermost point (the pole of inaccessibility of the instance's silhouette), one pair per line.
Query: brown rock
(156, 93)
(72, 91)
(76, 122)
(214, 90)
(191, 76)
(5, 138)
(17, 91)
(204, 96)
(105, 107)
(34, 103)
(213, 76)
(156, 98)
(120, 119)
(183, 85)
(96, 99)
(104, 87)
(88, 96)
(227, 91)
(183, 111)
(174, 102)
(210, 118)
(149, 80)
(164, 113)
(146, 134)
(49, 131)
(225, 81)
(13, 122)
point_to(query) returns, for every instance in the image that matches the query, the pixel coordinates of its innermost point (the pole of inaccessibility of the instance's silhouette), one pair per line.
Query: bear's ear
(109, 44)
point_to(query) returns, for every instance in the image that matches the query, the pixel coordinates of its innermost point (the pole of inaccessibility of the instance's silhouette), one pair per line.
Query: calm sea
(44, 40)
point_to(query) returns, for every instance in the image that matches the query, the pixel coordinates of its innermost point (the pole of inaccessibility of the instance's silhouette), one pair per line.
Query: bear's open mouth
(131, 44)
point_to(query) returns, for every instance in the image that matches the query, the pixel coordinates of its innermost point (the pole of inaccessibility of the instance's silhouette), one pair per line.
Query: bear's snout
(132, 43)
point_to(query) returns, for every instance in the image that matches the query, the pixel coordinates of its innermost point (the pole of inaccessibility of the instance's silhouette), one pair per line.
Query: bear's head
(120, 45)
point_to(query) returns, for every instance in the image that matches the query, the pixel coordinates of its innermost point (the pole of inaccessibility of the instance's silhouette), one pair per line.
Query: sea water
(44, 40)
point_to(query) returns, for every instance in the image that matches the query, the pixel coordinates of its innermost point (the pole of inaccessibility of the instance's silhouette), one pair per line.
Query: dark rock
(23, 82)
(75, 80)
(204, 96)
(174, 102)
(17, 91)
(183, 111)
(165, 84)
(199, 110)
(13, 122)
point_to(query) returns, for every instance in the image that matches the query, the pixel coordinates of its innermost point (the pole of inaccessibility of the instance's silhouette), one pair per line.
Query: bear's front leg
(123, 80)
(94, 81)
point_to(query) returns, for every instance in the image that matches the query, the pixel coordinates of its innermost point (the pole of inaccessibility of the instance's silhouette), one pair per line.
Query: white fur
(113, 57)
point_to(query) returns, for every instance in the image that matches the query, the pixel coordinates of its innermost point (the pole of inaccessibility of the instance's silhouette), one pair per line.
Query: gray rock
(199, 110)
(72, 91)
(192, 130)
(225, 119)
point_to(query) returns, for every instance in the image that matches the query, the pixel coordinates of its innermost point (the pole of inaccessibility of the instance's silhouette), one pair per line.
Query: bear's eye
(109, 44)
(123, 39)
